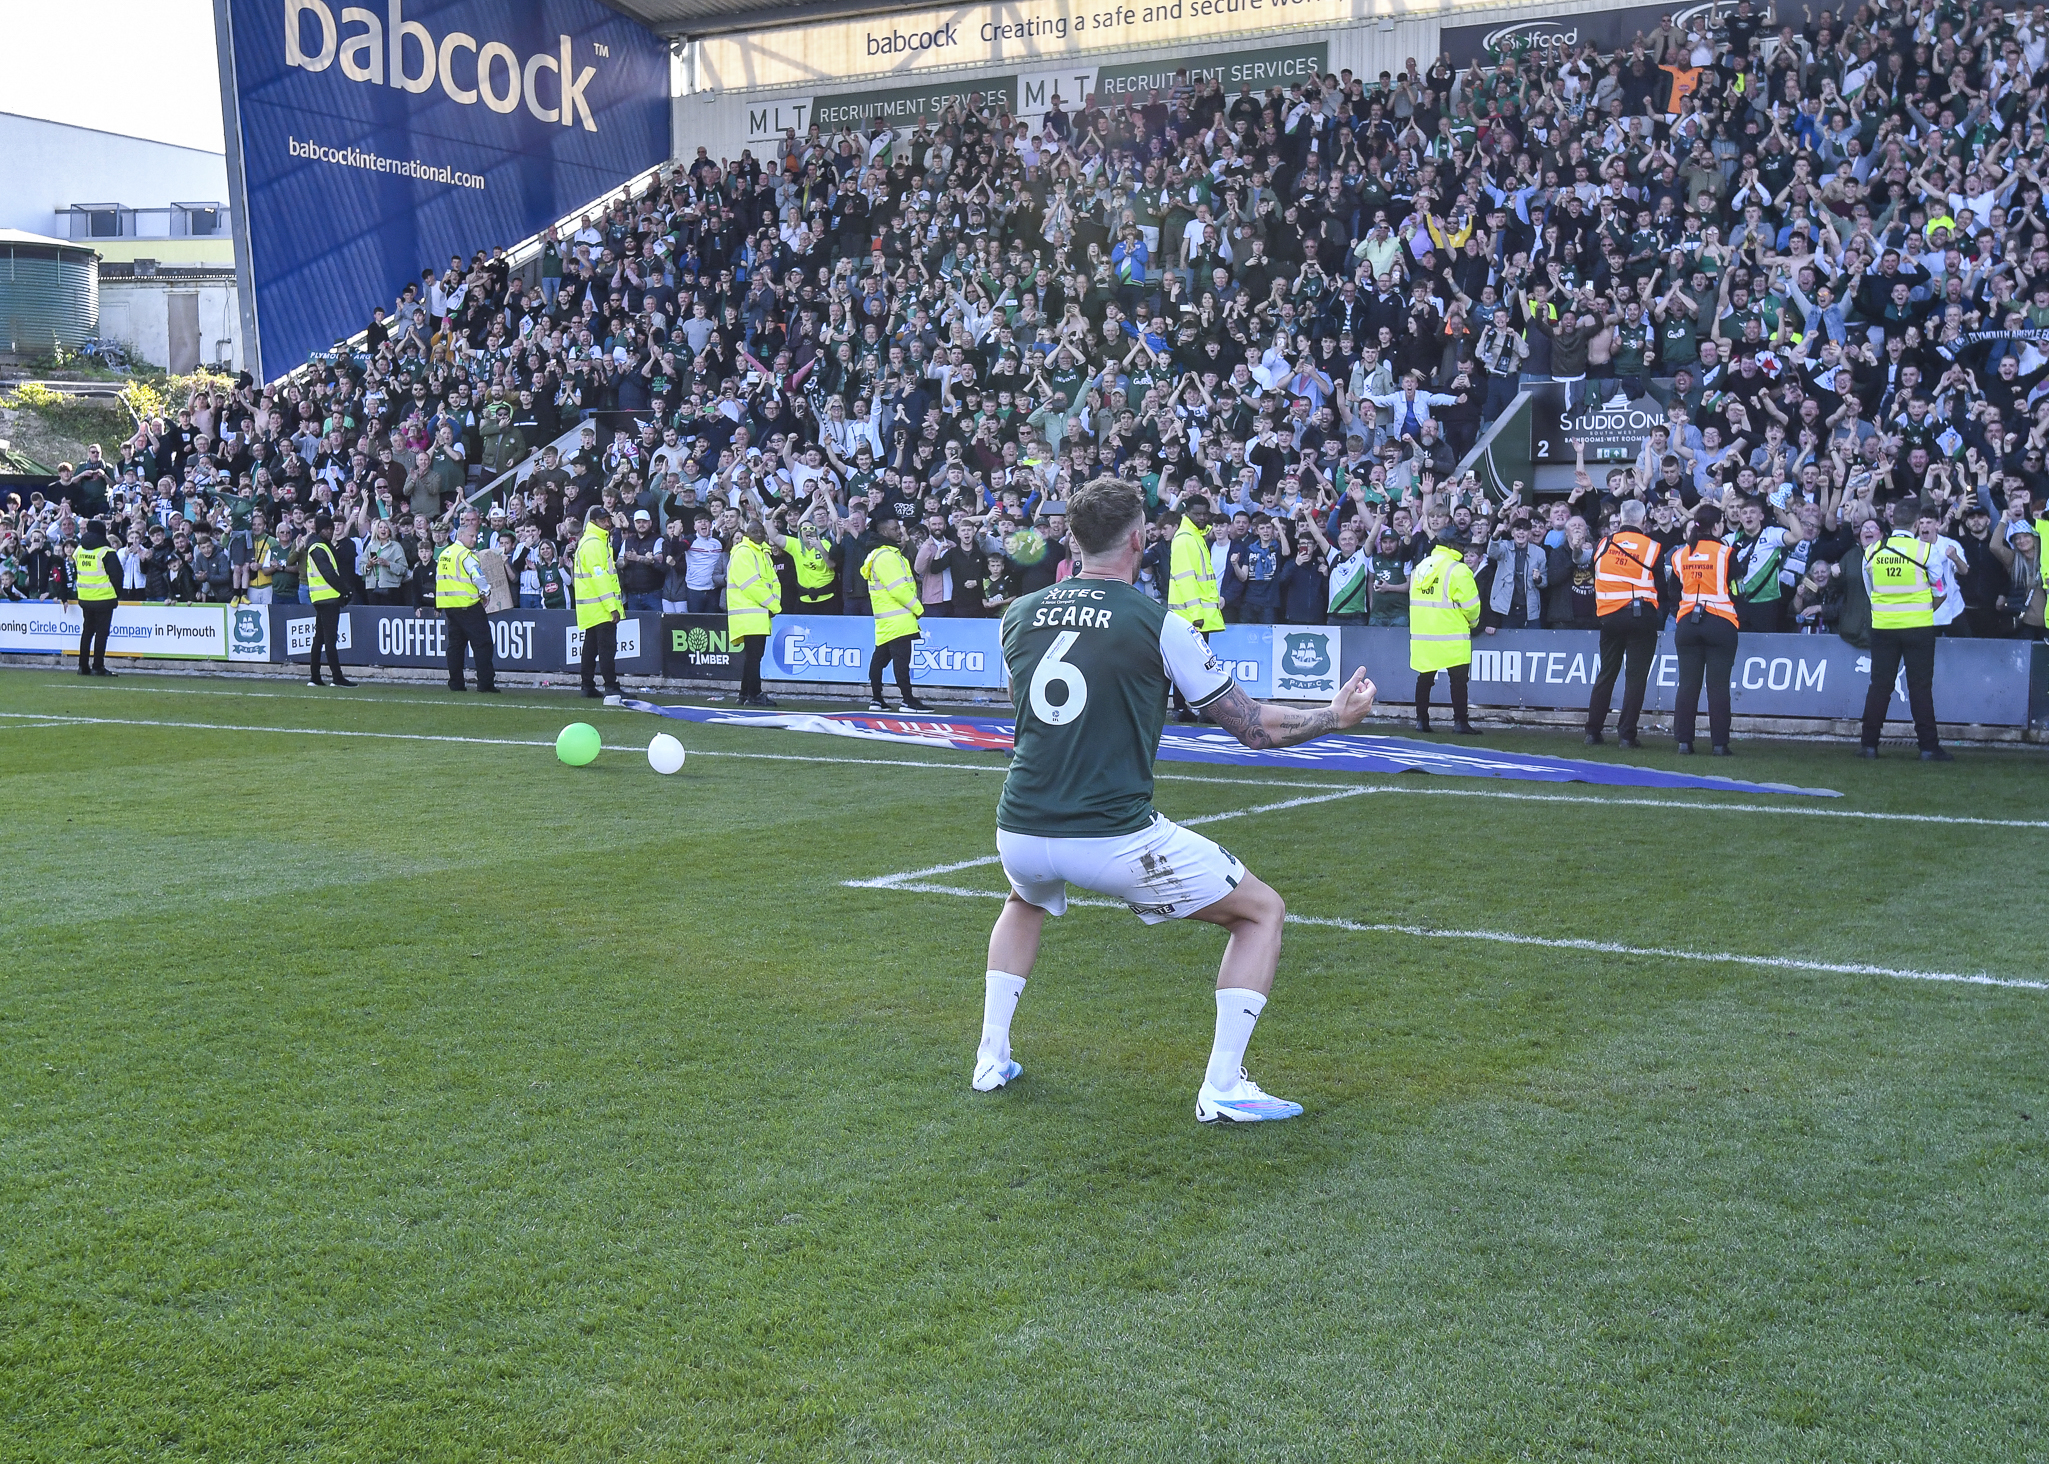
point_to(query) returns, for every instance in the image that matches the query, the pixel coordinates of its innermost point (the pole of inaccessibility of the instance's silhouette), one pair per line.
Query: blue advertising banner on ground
(965, 653)
(376, 140)
(1348, 753)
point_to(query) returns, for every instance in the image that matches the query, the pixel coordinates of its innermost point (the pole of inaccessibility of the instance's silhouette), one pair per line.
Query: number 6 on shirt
(1051, 669)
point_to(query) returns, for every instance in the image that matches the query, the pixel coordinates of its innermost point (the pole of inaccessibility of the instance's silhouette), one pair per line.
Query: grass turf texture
(389, 1099)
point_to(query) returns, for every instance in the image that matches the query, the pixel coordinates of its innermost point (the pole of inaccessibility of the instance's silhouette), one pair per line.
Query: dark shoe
(315, 681)
(103, 671)
(1466, 729)
(1422, 724)
(85, 670)
(457, 686)
(592, 691)
(764, 701)
(879, 705)
(1629, 742)
(494, 690)
(1592, 739)
(615, 689)
(343, 681)
(1722, 750)
(1937, 754)
(1687, 748)
(912, 704)
(1867, 752)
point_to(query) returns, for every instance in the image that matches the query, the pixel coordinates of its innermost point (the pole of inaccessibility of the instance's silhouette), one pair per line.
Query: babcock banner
(378, 139)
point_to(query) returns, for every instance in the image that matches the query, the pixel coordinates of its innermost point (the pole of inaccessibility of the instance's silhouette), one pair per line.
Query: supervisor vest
(1704, 579)
(1623, 572)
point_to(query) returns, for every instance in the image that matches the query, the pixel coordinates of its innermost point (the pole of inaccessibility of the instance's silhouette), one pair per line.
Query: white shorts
(1161, 872)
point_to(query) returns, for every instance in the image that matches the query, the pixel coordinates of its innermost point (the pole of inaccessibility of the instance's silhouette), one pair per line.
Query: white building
(156, 213)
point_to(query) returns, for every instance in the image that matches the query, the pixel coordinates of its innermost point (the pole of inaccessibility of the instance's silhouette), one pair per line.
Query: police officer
(600, 605)
(97, 596)
(754, 597)
(1902, 630)
(328, 591)
(1706, 636)
(1191, 579)
(1626, 603)
(460, 590)
(893, 594)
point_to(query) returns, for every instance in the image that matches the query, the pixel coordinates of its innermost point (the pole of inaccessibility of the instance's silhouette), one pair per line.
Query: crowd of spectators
(1822, 239)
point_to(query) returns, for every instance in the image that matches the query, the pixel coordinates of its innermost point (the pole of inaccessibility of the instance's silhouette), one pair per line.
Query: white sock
(1237, 1013)
(999, 1001)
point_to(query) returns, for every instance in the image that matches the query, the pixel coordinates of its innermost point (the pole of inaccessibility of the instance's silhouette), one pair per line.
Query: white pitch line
(1791, 809)
(896, 881)
(1501, 937)
(31, 726)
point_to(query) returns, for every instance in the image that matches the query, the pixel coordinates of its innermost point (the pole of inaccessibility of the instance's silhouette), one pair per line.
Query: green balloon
(577, 744)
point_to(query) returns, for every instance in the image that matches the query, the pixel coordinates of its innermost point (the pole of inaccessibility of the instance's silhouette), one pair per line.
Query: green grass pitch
(416, 1098)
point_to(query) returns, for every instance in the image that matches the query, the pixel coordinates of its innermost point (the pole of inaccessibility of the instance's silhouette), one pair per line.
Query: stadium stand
(1823, 252)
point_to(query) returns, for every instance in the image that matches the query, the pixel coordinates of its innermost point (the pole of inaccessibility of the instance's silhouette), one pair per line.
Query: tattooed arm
(1265, 724)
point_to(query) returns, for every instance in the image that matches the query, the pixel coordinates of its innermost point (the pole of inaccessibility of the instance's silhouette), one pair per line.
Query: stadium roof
(706, 17)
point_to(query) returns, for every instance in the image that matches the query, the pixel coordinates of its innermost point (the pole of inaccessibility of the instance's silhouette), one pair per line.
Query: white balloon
(665, 754)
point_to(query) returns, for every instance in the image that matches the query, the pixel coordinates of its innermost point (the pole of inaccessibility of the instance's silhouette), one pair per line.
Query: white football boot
(1243, 1102)
(992, 1073)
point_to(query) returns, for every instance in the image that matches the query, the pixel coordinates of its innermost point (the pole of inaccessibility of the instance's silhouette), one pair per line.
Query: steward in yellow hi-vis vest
(1444, 606)
(754, 597)
(1899, 571)
(460, 590)
(600, 606)
(893, 593)
(97, 596)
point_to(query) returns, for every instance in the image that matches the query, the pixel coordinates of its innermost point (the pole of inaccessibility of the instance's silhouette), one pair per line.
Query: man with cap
(1444, 606)
(642, 566)
(599, 608)
(97, 597)
(460, 590)
(328, 591)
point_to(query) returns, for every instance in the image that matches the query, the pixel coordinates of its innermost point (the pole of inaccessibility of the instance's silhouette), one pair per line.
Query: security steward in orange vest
(1706, 637)
(1626, 600)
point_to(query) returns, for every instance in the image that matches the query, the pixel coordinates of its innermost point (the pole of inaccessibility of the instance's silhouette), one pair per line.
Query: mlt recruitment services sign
(1028, 94)
(1022, 38)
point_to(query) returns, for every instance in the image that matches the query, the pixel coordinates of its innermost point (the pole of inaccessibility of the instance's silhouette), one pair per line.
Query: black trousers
(897, 653)
(469, 627)
(601, 653)
(1758, 617)
(1915, 647)
(1626, 640)
(1707, 656)
(326, 632)
(1425, 680)
(92, 640)
(751, 649)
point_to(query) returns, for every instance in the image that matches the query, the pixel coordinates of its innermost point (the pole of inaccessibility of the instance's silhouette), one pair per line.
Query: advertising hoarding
(521, 640)
(963, 653)
(369, 142)
(1020, 37)
(1028, 94)
(160, 632)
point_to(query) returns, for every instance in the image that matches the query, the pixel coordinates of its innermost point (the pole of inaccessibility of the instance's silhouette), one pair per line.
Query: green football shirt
(1090, 662)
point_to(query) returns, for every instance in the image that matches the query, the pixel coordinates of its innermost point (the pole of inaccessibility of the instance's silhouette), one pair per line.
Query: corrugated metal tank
(49, 293)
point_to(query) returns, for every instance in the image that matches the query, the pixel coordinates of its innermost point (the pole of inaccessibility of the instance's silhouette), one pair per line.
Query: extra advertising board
(369, 142)
(160, 632)
(1029, 93)
(964, 653)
